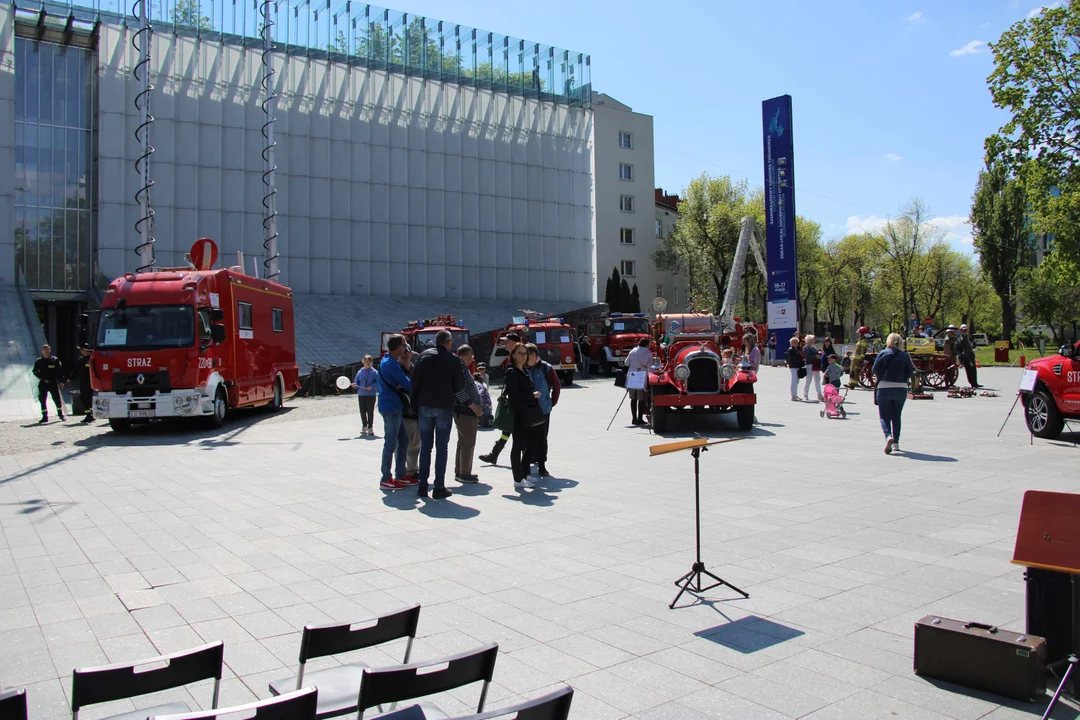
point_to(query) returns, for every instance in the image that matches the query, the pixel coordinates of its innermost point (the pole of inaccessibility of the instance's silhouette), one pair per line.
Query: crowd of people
(422, 397)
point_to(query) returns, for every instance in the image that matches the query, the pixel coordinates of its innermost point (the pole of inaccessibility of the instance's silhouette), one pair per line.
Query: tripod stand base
(692, 581)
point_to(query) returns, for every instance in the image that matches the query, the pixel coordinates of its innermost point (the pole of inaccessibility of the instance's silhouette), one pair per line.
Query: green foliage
(1036, 66)
(635, 300)
(611, 292)
(1049, 295)
(185, 13)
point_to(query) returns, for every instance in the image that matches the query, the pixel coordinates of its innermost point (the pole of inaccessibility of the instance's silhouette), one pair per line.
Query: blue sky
(890, 98)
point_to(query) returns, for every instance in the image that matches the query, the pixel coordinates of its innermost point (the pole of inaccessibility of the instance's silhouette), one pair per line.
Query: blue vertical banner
(780, 218)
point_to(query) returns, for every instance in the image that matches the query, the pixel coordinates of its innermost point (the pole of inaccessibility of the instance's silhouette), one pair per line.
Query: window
(244, 316)
(626, 203)
(279, 319)
(206, 335)
(659, 228)
(628, 268)
(675, 296)
(626, 236)
(626, 140)
(659, 291)
(626, 172)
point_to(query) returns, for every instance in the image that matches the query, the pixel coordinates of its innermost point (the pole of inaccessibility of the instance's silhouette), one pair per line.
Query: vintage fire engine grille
(151, 381)
(551, 355)
(704, 375)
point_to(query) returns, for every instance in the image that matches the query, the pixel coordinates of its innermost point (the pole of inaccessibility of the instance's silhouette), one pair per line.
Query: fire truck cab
(1055, 396)
(689, 375)
(612, 338)
(420, 334)
(552, 337)
(184, 343)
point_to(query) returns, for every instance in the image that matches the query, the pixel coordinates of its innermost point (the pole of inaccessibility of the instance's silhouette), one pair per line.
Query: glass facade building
(54, 224)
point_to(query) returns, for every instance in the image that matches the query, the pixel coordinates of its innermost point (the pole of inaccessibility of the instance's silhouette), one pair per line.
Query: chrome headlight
(568, 360)
(727, 371)
(185, 405)
(682, 372)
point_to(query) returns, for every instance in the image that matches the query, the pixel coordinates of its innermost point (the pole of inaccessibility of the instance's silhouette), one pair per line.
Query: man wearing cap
(966, 354)
(80, 376)
(50, 373)
(511, 341)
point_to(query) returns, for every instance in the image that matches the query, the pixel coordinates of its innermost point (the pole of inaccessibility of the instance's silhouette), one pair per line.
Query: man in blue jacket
(393, 385)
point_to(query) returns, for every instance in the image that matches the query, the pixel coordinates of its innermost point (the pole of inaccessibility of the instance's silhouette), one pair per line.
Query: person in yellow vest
(862, 345)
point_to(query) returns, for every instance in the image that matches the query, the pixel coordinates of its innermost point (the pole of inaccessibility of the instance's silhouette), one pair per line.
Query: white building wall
(611, 117)
(388, 185)
(7, 144)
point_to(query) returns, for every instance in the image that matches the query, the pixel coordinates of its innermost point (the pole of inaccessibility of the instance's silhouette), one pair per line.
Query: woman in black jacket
(795, 361)
(528, 417)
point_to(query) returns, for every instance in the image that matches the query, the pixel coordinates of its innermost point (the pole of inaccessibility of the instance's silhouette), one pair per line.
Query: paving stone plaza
(117, 548)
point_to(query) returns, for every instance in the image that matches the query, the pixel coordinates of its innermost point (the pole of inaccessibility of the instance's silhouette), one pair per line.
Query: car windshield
(630, 325)
(146, 327)
(426, 340)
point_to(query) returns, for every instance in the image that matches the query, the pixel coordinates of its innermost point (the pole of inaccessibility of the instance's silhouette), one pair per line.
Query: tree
(1050, 294)
(903, 242)
(186, 13)
(635, 300)
(624, 296)
(1001, 233)
(611, 293)
(703, 241)
(1035, 78)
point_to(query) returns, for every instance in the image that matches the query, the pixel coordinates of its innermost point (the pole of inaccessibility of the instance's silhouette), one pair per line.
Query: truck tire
(279, 399)
(221, 409)
(566, 377)
(119, 425)
(609, 368)
(745, 416)
(658, 418)
(1042, 416)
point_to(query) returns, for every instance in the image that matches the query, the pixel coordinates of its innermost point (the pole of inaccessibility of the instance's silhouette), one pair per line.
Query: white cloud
(956, 229)
(893, 157)
(972, 48)
(916, 17)
(1038, 10)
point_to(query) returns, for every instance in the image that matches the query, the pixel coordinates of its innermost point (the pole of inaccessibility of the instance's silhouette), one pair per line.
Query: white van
(980, 339)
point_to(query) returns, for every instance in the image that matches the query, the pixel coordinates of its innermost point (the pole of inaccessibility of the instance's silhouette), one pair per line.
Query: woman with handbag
(894, 369)
(797, 365)
(528, 416)
(813, 368)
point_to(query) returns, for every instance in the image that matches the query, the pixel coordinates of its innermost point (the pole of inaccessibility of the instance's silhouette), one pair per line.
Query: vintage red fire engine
(611, 338)
(690, 375)
(1055, 397)
(553, 338)
(420, 334)
(184, 343)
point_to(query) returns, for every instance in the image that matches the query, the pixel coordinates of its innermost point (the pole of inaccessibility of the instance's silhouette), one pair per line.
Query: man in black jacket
(49, 371)
(437, 380)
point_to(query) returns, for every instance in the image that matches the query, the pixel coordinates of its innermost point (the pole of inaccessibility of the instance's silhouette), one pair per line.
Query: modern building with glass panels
(415, 157)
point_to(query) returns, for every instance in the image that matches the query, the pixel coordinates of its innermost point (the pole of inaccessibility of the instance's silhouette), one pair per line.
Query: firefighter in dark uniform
(80, 377)
(49, 371)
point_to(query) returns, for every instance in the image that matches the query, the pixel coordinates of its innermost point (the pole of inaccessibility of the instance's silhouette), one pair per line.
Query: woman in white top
(637, 360)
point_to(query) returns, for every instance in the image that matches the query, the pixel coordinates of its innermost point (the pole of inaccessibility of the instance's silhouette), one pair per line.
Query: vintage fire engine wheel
(1042, 416)
(120, 425)
(221, 409)
(744, 414)
(867, 378)
(941, 378)
(609, 368)
(658, 418)
(566, 377)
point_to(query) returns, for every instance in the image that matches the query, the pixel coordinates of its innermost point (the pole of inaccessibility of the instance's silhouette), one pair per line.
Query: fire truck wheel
(120, 425)
(275, 404)
(566, 377)
(658, 416)
(221, 409)
(1042, 416)
(609, 368)
(745, 416)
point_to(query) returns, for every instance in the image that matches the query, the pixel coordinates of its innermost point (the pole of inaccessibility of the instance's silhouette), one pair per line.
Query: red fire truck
(611, 338)
(553, 338)
(184, 343)
(1055, 396)
(692, 377)
(420, 334)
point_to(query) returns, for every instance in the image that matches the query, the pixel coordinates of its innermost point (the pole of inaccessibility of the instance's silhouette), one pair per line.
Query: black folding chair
(407, 682)
(13, 705)
(297, 705)
(553, 706)
(90, 686)
(340, 686)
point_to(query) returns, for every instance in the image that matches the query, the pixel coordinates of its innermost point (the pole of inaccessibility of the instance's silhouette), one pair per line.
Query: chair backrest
(553, 706)
(13, 705)
(321, 640)
(297, 705)
(405, 682)
(90, 686)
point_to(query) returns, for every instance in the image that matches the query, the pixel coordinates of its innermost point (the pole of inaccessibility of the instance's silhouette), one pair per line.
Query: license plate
(141, 413)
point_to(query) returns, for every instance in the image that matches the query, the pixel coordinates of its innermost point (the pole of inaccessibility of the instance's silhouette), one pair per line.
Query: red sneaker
(391, 484)
(408, 480)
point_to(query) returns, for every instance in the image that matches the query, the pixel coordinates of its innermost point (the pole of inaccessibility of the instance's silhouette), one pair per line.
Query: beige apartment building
(628, 225)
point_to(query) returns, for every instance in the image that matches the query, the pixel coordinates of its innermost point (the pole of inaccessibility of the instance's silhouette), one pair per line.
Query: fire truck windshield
(426, 340)
(639, 326)
(146, 327)
(550, 336)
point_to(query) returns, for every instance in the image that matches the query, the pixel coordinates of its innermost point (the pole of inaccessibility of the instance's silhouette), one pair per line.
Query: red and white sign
(203, 254)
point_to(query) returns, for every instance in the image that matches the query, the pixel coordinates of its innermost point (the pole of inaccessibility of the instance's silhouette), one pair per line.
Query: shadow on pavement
(183, 431)
(749, 634)
(924, 457)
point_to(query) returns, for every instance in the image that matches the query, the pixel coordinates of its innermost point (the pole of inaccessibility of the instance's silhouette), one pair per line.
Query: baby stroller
(834, 403)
